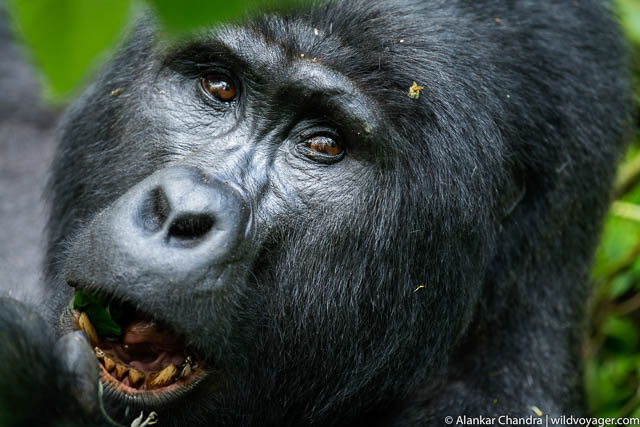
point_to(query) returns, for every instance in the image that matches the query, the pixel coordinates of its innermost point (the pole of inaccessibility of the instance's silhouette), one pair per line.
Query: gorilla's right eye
(219, 87)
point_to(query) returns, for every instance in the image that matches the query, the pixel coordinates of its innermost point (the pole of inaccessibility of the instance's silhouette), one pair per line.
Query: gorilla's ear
(516, 191)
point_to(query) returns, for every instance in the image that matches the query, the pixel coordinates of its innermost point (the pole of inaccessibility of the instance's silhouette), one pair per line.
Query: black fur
(439, 269)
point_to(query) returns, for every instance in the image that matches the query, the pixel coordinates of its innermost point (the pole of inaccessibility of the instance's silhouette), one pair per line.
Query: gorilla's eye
(221, 88)
(324, 145)
(322, 149)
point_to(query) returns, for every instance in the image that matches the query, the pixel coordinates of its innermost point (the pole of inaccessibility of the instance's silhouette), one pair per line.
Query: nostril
(154, 210)
(188, 229)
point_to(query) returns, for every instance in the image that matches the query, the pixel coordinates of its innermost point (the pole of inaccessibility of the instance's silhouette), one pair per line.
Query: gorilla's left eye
(324, 145)
(322, 149)
(221, 88)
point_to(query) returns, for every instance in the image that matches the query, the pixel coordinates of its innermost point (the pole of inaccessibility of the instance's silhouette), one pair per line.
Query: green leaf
(622, 334)
(82, 299)
(608, 384)
(621, 284)
(99, 314)
(102, 321)
(67, 36)
(178, 17)
(620, 237)
(629, 12)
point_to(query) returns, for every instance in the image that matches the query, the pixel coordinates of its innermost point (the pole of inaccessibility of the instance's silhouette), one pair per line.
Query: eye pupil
(219, 88)
(324, 145)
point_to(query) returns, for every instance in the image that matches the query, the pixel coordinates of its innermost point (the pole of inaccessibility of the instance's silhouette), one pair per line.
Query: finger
(79, 370)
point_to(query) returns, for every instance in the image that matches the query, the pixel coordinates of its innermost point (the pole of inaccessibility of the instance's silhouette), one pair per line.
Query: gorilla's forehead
(285, 71)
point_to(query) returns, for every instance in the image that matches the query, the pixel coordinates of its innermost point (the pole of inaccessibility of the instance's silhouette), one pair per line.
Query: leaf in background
(629, 12)
(178, 18)
(622, 334)
(619, 238)
(67, 36)
(182, 16)
(621, 284)
(608, 386)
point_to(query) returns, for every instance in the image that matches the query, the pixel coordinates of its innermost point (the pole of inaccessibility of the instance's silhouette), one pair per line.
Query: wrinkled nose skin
(172, 227)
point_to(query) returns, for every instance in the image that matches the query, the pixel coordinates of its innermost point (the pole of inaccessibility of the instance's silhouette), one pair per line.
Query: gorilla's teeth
(135, 376)
(164, 377)
(186, 371)
(186, 367)
(87, 327)
(109, 364)
(121, 371)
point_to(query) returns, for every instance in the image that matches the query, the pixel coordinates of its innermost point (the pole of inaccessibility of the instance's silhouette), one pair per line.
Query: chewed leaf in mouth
(100, 314)
(136, 354)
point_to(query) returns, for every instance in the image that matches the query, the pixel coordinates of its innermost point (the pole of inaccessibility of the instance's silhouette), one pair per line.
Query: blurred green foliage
(612, 350)
(199, 13)
(68, 38)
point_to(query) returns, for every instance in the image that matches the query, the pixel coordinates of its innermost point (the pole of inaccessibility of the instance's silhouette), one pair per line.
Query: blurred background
(612, 348)
(67, 42)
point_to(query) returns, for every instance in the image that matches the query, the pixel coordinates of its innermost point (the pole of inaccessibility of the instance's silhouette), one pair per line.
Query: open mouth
(146, 358)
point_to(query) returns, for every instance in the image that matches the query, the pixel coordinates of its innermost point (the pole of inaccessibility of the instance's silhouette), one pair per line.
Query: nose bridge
(236, 163)
(188, 193)
(239, 157)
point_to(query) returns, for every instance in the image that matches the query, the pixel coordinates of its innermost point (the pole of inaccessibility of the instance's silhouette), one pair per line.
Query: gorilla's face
(284, 229)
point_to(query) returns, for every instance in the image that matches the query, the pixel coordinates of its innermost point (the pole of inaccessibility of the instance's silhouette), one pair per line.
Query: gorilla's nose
(177, 223)
(187, 208)
(183, 208)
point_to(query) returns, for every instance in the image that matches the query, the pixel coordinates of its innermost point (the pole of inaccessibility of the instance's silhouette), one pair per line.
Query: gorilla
(355, 213)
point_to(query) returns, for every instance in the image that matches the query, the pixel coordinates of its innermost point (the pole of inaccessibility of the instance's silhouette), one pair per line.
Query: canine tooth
(99, 352)
(164, 377)
(186, 371)
(121, 371)
(135, 376)
(85, 325)
(109, 364)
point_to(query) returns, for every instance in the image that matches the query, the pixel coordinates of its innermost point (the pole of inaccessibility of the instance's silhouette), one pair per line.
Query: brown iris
(324, 145)
(219, 87)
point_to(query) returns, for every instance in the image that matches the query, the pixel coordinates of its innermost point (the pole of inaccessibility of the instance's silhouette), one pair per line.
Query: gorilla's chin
(148, 362)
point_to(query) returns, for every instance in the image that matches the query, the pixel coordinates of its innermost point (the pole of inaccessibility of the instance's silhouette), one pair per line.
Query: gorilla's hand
(44, 382)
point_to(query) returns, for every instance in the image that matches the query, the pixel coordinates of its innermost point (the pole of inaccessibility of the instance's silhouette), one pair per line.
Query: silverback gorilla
(291, 239)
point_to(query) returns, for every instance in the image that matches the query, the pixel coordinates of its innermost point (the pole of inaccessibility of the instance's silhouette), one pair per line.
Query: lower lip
(177, 387)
